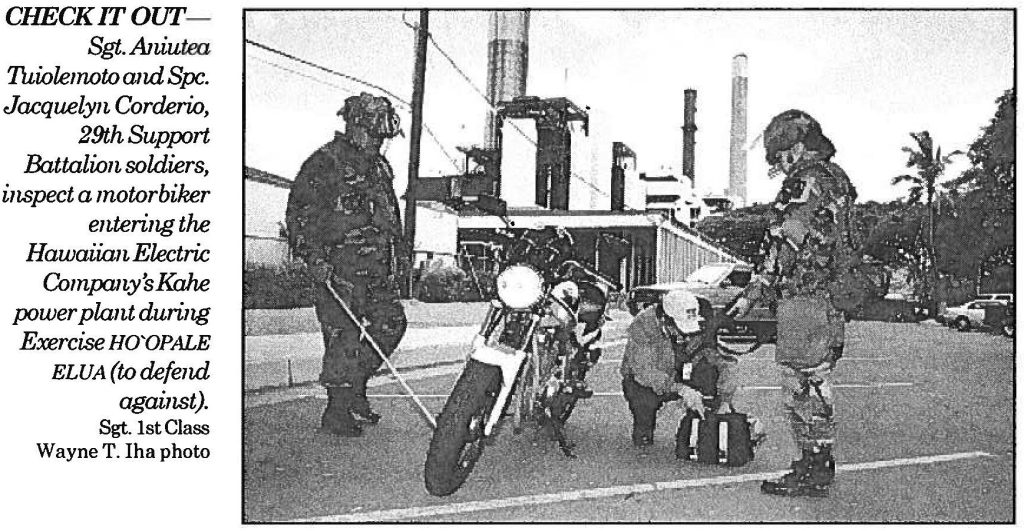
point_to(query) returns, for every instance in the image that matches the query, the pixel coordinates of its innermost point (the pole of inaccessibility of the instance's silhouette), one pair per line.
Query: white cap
(683, 308)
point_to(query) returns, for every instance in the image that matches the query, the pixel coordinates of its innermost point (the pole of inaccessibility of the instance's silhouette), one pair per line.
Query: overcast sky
(870, 78)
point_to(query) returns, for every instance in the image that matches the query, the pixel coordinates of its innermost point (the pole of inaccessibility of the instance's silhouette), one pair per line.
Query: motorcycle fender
(508, 362)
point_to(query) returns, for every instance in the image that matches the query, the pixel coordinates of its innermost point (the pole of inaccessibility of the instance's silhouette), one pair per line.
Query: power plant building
(552, 163)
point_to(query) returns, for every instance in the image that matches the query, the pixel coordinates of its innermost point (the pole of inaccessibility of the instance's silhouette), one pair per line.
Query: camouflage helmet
(791, 127)
(374, 113)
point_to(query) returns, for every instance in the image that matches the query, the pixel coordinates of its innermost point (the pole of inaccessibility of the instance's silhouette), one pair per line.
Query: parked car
(969, 315)
(1001, 319)
(720, 283)
(893, 310)
(1005, 297)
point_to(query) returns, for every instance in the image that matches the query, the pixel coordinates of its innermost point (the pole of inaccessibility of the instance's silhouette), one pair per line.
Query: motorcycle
(529, 359)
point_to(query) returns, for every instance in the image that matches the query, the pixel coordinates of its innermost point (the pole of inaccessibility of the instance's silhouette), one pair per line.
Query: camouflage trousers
(810, 407)
(810, 341)
(373, 296)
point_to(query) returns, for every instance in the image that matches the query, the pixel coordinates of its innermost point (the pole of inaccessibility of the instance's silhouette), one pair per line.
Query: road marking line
(751, 388)
(751, 358)
(835, 386)
(378, 381)
(405, 396)
(412, 513)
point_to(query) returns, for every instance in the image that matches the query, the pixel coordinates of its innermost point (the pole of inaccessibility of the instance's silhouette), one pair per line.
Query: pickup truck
(720, 283)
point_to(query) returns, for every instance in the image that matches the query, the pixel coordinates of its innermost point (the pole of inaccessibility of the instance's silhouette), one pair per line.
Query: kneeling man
(672, 354)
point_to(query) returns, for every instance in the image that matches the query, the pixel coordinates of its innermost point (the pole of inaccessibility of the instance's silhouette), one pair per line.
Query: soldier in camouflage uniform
(807, 270)
(343, 221)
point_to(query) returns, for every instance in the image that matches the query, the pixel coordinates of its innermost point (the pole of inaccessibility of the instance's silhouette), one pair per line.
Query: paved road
(926, 434)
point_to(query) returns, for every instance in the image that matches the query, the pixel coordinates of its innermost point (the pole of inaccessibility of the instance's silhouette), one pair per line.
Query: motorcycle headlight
(519, 287)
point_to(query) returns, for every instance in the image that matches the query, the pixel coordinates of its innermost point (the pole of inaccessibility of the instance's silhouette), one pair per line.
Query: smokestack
(507, 58)
(689, 128)
(738, 134)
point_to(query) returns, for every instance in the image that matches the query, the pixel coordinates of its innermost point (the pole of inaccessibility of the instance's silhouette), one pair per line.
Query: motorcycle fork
(509, 366)
(523, 404)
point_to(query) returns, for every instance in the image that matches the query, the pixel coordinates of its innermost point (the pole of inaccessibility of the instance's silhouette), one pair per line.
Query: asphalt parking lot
(926, 434)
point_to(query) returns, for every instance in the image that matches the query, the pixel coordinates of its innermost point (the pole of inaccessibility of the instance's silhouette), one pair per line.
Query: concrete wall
(591, 158)
(581, 183)
(264, 208)
(519, 162)
(635, 190)
(437, 230)
(265, 205)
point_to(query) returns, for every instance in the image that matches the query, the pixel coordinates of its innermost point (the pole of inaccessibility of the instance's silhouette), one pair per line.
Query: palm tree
(931, 165)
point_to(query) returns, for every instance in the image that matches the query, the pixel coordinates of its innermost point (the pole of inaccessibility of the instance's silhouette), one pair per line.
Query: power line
(328, 70)
(405, 103)
(454, 161)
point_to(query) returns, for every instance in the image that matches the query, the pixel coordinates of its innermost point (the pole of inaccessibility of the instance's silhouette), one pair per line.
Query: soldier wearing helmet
(343, 221)
(808, 254)
(672, 354)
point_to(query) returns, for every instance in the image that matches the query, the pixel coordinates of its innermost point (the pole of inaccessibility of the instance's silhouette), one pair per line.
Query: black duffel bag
(717, 439)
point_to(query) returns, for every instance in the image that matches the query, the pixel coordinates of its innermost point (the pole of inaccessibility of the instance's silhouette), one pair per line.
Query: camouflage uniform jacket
(344, 197)
(808, 244)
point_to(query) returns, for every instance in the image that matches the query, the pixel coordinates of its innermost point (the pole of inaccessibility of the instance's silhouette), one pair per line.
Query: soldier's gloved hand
(691, 399)
(321, 271)
(740, 307)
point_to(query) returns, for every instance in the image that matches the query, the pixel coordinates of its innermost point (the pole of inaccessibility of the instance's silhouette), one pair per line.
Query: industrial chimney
(689, 128)
(507, 57)
(738, 134)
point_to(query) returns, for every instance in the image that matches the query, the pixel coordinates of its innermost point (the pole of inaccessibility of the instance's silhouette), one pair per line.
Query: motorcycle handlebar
(613, 285)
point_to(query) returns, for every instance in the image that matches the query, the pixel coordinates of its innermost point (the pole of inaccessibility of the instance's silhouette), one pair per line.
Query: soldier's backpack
(717, 439)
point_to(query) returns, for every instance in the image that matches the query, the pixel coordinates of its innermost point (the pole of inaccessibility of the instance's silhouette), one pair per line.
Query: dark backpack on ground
(717, 439)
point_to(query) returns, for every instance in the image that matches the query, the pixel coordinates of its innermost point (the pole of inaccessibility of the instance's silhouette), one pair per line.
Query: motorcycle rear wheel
(457, 443)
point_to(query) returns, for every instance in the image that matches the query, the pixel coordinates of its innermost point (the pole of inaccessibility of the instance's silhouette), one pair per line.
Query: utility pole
(415, 131)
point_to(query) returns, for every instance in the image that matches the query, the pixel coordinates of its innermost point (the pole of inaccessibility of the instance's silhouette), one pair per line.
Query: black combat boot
(361, 405)
(811, 476)
(337, 420)
(642, 438)
(794, 482)
(823, 469)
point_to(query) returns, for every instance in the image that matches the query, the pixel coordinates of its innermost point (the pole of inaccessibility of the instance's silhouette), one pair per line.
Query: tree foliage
(969, 220)
(740, 231)
(981, 237)
(930, 164)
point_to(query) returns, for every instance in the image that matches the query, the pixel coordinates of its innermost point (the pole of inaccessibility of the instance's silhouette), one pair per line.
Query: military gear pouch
(808, 328)
(717, 439)
(852, 289)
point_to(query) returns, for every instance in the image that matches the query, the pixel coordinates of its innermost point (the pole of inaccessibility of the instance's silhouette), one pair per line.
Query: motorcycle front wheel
(457, 442)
